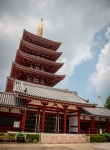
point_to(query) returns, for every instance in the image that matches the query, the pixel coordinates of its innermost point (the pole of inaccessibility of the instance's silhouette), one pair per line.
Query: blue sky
(82, 26)
(80, 79)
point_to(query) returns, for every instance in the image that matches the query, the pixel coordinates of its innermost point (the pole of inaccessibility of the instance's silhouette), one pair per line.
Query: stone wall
(62, 138)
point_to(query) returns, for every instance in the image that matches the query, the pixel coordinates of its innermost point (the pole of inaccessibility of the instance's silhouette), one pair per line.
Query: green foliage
(21, 137)
(35, 141)
(20, 134)
(97, 138)
(12, 134)
(26, 141)
(107, 135)
(107, 103)
(2, 133)
(31, 137)
(7, 138)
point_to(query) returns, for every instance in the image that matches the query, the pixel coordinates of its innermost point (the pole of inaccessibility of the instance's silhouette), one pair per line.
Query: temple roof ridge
(58, 93)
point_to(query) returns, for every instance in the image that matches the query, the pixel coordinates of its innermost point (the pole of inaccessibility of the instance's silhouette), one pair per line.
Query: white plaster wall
(51, 104)
(75, 113)
(75, 129)
(81, 117)
(16, 111)
(4, 110)
(97, 119)
(73, 121)
(72, 107)
(35, 102)
(103, 119)
(87, 118)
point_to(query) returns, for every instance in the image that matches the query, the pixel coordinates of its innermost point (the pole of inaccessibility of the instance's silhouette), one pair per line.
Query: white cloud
(100, 79)
(82, 54)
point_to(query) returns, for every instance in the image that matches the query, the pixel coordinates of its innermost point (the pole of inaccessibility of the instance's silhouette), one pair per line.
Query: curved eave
(39, 60)
(91, 115)
(34, 72)
(40, 49)
(55, 45)
(33, 97)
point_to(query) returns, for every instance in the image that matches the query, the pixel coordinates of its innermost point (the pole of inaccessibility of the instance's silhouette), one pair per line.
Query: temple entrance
(50, 124)
(30, 122)
(61, 124)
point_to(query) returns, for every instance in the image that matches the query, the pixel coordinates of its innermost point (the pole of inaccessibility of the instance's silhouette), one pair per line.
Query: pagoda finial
(40, 28)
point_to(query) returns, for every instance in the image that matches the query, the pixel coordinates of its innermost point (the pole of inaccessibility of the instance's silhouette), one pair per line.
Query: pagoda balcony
(38, 51)
(37, 62)
(43, 42)
(21, 72)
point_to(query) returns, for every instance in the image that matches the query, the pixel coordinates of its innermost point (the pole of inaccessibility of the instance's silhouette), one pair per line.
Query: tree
(107, 103)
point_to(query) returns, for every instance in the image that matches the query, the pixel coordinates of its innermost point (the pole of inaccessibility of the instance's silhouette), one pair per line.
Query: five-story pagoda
(35, 61)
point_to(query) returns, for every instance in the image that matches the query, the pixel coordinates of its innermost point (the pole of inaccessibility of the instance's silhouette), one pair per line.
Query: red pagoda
(35, 61)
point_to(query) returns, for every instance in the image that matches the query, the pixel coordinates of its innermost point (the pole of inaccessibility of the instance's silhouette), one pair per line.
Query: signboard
(16, 124)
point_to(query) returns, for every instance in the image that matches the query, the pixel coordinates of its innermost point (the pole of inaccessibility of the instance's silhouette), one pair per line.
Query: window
(85, 125)
(8, 120)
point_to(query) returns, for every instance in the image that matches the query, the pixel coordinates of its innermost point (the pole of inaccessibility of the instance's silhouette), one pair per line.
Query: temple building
(32, 104)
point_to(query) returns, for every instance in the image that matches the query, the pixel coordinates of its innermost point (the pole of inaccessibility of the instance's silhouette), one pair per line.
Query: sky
(83, 28)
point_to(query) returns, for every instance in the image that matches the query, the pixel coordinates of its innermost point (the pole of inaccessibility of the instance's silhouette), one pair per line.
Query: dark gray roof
(9, 99)
(98, 111)
(49, 93)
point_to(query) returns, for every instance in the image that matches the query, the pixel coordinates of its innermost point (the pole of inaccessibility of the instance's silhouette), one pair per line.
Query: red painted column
(93, 130)
(43, 118)
(24, 120)
(65, 119)
(78, 120)
(107, 126)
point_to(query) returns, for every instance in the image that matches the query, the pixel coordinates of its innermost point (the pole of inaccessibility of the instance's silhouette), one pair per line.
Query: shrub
(107, 136)
(7, 138)
(26, 141)
(12, 134)
(35, 141)
(31, 137)
(21, 137)
(97, 138)
(1, 138)
(2, 133)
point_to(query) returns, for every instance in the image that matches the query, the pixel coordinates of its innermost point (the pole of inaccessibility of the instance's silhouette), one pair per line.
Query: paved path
(84, 146)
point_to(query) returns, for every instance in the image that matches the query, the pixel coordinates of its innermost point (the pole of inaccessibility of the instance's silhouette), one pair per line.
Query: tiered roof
(37, 40)
(35, 61)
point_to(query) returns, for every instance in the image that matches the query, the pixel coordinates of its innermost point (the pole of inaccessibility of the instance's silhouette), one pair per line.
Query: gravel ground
(84, 146)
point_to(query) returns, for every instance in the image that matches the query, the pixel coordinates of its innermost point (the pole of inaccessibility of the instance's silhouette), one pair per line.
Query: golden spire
(40, 28)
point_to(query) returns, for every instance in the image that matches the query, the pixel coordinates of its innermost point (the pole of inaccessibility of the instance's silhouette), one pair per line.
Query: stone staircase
(46, 138)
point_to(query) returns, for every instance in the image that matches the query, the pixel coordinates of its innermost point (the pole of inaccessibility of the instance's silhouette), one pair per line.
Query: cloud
(100, 79)
(82, 54)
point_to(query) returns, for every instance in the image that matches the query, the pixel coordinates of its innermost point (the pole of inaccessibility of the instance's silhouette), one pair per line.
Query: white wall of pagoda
(73, 123)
